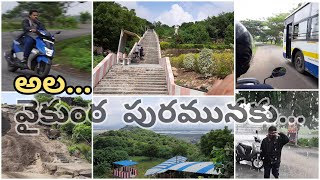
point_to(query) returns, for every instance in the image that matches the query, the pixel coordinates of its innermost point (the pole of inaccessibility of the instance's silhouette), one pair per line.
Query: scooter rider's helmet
(244, 45)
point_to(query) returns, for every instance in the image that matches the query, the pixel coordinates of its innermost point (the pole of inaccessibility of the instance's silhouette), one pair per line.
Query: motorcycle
(40, 58)
(250, 153)
(252, 83)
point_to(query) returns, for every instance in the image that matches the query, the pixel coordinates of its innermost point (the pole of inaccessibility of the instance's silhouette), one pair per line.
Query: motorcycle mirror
(277, 72)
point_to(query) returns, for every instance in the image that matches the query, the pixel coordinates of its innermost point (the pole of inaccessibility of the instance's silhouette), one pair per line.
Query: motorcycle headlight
(49, 52)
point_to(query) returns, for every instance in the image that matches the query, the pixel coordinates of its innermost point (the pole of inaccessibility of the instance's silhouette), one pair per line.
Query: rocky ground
(36, 156)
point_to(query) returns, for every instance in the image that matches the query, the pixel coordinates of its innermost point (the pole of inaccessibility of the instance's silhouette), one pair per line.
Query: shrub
(177, 61)
(85, 150)
(314, 142)
(189, 62)
(82, 133)
(205, 61)
(69, 22)
(101, 170)
(164, 45)
(222, 64)
(72, 149)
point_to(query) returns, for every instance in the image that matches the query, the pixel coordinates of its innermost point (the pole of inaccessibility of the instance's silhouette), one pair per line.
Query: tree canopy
(290, 103)
(270, 29)
(108, 20)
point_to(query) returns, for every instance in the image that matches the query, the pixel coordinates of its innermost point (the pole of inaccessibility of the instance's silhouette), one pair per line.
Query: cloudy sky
(115, 111)
(175, 13)
(75, 8)
(258, 10)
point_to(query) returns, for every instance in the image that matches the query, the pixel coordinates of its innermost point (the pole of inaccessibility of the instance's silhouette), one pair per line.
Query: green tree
(223, 159)
(101, 170)
(151, 150)
(229, 36)
(181, 150)
(79, 101)
(255, 27)
(275, 26)
(82, 133)
(217, 138)
(49, 10)
(84, 17)
(290, 103)
(108, 20)
(43, 97)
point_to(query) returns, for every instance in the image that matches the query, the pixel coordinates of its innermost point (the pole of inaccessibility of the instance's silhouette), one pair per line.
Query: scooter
(250, 153)
(252, 83)
(40, 58)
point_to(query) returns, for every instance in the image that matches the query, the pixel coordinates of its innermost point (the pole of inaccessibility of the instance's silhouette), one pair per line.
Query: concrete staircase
(144, 78)
(149, 45)
(134, 79)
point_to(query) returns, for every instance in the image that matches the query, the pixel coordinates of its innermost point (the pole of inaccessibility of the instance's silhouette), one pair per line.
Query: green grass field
(144, 163)
(75, 52)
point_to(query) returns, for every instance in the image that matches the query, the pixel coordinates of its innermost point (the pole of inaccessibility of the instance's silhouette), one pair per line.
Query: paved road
(296, 163)
(269, 57)
(73, 77)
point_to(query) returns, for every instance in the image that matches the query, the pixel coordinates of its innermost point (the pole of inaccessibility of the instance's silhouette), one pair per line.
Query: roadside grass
(254, 50)
(145, 163)
(74, 52)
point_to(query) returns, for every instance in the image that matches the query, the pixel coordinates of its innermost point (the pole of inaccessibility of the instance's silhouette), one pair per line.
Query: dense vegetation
(129, 142)
(290, 103)
(53, 15)
(214, 32)
(108, 20)
(270, 29)
(76, 136)
(207, 62)
(267, 30)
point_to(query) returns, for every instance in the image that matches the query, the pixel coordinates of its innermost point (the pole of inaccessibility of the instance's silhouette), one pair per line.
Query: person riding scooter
(30, 26)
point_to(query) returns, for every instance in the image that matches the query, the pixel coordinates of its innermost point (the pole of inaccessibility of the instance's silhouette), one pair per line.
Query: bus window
(295, 31)
(300, 30)
(314, 28)
(302, 13)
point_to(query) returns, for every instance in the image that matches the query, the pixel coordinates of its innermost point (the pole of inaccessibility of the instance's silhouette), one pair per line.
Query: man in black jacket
(271, 148)
(30, 26)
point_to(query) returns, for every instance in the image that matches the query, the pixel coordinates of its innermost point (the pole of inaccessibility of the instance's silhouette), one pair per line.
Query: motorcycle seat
(246, 147)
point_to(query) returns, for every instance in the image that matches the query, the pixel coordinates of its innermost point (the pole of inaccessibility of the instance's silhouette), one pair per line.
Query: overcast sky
(115, 110)
(75, 8)
(259, 9)
(176, 13)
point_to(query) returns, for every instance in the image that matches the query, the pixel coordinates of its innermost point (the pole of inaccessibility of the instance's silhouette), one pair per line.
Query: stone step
(137, 73)
(131, 85)
(134, 79)
(142, 81)
(132, 89)
(133, 75)
(146, 92)
(136, 70)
